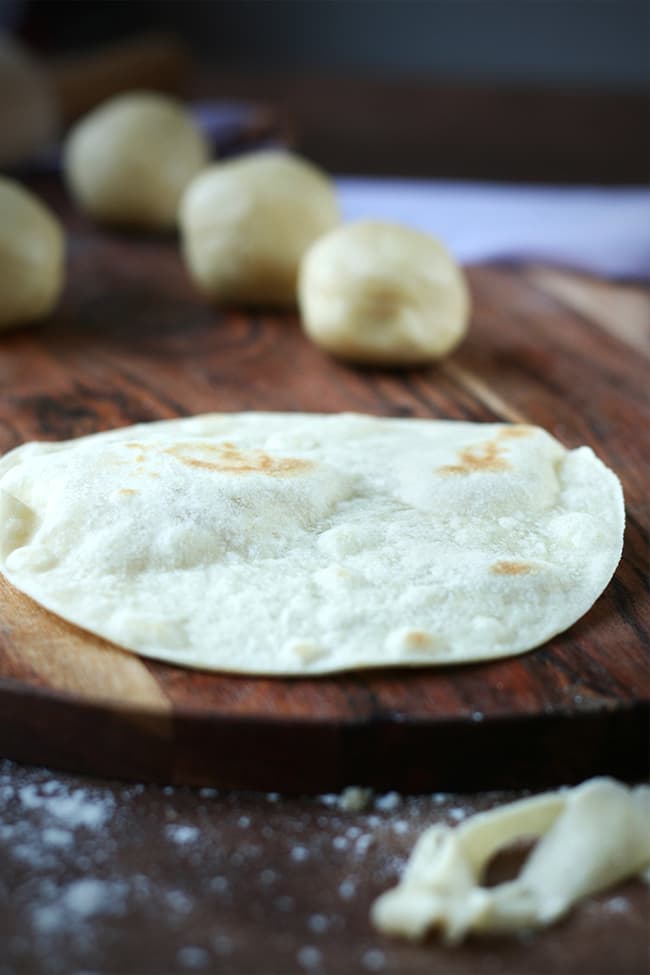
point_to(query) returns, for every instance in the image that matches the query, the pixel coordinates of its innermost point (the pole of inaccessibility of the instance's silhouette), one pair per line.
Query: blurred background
(548, 91)
(583, 42)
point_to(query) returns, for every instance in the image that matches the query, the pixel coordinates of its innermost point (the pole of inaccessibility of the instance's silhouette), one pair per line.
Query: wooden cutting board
(132, 341)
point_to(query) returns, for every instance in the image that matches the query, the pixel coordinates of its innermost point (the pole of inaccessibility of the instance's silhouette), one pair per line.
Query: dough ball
(380, 293)
(247, 223)
(31, 256)
(129, 160)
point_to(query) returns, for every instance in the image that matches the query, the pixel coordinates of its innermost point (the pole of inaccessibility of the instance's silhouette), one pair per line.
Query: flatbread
(274, 543)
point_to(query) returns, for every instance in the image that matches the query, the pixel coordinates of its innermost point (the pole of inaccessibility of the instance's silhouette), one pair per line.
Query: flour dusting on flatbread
(302, 543)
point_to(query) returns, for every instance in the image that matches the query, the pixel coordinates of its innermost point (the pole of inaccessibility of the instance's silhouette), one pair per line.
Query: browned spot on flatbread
(486, 456)
(140, 447)
(515, 431)
(418, 640)
(511, 568)
(128, 491)
(226, 458)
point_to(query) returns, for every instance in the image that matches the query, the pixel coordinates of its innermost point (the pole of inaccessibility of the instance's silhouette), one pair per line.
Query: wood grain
(621, 309)
(42, 650)
(132, 342)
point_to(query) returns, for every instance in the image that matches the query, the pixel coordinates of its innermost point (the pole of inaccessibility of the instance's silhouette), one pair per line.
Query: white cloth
(601, 231)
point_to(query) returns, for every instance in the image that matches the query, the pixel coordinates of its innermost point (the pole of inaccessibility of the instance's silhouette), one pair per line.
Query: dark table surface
(104, 877)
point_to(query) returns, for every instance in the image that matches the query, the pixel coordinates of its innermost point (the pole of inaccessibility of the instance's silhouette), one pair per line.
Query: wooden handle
(155, 61)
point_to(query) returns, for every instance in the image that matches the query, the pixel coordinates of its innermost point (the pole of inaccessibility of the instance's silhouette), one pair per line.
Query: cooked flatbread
(274, 543)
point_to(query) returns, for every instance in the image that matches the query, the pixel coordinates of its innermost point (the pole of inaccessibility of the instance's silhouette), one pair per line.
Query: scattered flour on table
(373, 960)
(78, 902)
(192, 956)
(220, 884)
(319, 923)
(616, 905)
(388, 802)
(77, 808)
(182, 834)
(347, 889)
(179, 901)
(76, 849)
(57, 837)
(87, 896)
(309, 957)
